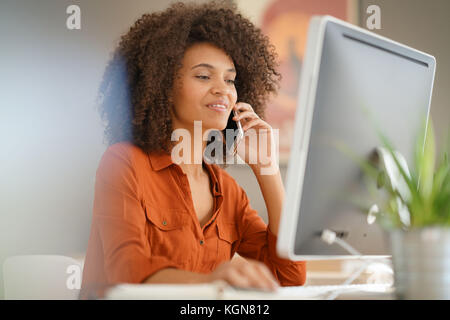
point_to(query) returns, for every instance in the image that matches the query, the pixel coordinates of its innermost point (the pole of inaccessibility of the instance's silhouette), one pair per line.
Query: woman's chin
(214, 126)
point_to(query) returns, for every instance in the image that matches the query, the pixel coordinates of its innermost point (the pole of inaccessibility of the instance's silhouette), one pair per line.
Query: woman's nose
(220, 88)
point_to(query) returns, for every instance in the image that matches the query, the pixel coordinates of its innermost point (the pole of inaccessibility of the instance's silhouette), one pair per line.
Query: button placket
(185, 191)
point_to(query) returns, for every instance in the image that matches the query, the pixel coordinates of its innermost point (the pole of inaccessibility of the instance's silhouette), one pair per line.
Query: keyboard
(221, 291)
(350, 291)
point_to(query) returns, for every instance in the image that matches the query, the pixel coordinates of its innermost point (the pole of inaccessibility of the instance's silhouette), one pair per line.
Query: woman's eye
(207, 77)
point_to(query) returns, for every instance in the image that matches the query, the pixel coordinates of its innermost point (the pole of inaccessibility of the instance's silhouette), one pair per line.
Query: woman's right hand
(245, 273)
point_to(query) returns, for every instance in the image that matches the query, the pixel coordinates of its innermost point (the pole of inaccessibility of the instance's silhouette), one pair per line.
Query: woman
(157, 221)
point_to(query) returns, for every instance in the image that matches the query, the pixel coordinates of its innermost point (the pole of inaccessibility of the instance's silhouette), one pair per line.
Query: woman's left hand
(258, 148)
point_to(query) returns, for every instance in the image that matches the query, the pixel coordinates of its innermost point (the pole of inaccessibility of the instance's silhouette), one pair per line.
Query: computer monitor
(350, 79)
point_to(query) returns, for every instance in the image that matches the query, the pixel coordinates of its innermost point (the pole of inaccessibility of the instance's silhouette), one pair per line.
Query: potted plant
(414, 207)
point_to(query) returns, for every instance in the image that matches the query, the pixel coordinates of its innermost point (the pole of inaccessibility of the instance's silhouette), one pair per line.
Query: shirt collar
(160, 160)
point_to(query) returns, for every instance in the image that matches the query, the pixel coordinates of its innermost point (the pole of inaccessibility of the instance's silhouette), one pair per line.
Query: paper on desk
(282, 293)
(218, 290)
(204, 291)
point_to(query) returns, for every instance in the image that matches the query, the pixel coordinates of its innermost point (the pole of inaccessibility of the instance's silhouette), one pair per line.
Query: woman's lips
(217, 107)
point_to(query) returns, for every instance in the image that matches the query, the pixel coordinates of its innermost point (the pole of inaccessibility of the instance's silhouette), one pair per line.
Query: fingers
(260, 276)
(246, 115)
(252, 119)
(267, 277)
(251, 274)
(242, 106)
(235, 278)
(229, 271)
(253, 123)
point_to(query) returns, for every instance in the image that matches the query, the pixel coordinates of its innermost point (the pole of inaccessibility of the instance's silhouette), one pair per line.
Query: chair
(41, 277)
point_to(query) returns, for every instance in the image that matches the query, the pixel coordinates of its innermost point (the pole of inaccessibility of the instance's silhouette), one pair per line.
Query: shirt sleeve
(120, 219)
(259, 243)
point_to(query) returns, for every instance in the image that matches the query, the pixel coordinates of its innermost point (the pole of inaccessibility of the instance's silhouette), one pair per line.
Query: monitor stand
(331, 238)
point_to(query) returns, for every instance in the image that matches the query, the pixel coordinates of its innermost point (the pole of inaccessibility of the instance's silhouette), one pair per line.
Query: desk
(335, 272)
(319, 273)
(221, 291)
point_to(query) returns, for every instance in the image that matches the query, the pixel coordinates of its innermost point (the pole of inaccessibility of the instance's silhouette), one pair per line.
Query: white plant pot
(421, 260)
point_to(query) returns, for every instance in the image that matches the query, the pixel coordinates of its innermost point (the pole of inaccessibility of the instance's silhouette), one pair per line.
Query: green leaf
(427, 162)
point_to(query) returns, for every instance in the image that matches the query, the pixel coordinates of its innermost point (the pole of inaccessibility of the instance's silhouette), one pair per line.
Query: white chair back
(41, 277)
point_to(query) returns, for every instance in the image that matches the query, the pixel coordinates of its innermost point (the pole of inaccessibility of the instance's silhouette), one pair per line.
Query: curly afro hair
(136, 89)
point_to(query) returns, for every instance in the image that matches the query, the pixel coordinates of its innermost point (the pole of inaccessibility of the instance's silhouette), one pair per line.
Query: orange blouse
(144, 220)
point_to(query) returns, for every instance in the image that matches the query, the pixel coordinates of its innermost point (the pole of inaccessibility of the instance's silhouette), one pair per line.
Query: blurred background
(51, 134)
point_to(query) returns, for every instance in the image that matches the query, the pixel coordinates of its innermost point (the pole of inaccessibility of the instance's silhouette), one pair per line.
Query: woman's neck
(195, 171)
(192, 164)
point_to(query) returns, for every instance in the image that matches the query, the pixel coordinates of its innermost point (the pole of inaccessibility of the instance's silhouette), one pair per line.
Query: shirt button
(164, 222)
(202, 242)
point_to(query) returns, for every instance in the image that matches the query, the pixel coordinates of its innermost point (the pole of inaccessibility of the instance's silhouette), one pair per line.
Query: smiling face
(205, 89)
